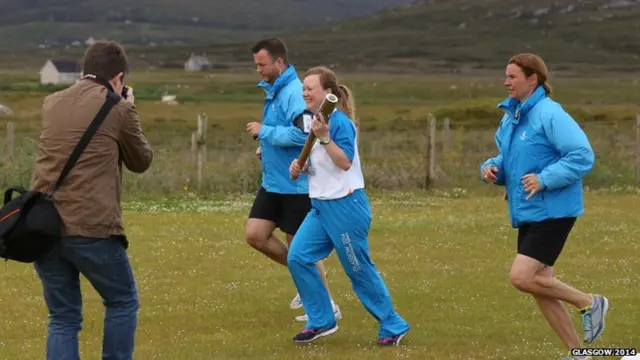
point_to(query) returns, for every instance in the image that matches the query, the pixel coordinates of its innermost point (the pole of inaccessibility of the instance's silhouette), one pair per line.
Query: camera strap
(100, 80)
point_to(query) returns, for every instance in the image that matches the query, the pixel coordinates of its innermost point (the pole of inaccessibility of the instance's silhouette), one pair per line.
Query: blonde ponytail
(346, 103)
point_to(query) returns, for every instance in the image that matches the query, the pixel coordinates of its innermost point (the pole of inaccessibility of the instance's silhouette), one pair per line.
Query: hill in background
(459, 34)
(30, 23)
(583, 36)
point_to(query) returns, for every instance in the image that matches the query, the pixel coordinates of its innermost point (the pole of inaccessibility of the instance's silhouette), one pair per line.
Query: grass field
(445, 253)
(205, 294)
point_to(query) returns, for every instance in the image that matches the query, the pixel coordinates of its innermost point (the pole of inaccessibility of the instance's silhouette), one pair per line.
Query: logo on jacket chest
(272, 114)
(523, 136)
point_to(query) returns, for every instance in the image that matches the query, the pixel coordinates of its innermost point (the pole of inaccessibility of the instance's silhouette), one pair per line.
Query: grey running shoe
(296, 303)
(593, 318)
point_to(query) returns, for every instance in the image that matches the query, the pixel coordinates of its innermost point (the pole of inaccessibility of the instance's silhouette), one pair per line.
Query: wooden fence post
(199, 146)
(431, 151)
(194, 147)
(432, 157)
(10, 139)
(638, 149)
(446, 136)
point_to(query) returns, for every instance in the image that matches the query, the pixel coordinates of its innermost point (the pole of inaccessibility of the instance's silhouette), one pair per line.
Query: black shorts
(286, 210)
(544, 240)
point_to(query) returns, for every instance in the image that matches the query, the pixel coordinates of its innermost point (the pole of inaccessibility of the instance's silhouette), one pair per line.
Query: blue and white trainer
(593, 318)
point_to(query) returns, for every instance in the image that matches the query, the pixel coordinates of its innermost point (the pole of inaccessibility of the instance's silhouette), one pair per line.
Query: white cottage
(197, 63)
(60, 72)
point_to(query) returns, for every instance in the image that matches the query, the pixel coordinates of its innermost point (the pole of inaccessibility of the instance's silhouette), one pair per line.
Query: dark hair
(533, 64)
(105, 59)
(329, 80)
(274, 46)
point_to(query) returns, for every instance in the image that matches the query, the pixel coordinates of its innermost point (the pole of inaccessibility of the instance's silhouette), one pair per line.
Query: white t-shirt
(326, 180)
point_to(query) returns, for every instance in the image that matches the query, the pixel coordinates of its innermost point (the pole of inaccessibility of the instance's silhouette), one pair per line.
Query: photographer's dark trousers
(105, 263)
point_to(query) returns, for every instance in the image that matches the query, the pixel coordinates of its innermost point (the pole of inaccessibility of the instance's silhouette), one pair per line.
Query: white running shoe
(336, 313)
(296, 303)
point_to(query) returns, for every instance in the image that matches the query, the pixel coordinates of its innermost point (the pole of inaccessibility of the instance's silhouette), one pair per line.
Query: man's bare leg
(557, 315)
(289, 238)
(524, 276)
(259, 234)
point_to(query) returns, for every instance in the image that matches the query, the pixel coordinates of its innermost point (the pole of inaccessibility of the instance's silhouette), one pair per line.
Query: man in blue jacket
(280, 202)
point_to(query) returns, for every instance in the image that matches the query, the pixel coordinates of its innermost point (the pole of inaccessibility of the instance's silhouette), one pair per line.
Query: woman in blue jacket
(543, 156)
(339, 219)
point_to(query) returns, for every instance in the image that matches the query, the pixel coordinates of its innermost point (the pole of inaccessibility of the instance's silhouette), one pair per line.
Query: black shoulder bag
(30, 224)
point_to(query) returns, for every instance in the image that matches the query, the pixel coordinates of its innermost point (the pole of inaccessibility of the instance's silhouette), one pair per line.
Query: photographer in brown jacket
(94, 242)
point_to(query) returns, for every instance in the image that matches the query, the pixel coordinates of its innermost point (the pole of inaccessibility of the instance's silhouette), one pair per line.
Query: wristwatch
(324, 140)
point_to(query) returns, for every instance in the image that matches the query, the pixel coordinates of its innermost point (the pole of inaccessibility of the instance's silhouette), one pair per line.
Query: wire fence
(442, 153)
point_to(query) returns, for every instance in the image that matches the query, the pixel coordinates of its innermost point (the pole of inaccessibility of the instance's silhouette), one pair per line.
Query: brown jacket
(89, 199)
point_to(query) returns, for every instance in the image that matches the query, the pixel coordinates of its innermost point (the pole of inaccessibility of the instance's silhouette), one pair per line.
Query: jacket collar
(285, 78)
(517, 110)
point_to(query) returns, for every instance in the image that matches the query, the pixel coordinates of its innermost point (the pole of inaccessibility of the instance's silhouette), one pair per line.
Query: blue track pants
(341, 224)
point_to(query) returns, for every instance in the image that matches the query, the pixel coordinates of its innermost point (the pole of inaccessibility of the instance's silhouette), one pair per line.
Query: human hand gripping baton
(326, 108)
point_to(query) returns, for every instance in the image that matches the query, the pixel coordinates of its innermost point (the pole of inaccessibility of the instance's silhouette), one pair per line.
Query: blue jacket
(281, 141)
(539, 137)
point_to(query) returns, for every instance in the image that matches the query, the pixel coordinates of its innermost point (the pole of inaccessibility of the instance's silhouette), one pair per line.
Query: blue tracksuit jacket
(539, 137)
(281, 141)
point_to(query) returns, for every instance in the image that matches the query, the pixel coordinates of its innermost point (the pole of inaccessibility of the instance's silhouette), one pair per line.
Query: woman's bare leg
(557, 315)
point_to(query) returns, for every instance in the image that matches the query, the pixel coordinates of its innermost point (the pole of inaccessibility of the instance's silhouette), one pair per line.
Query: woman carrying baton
(339, 219)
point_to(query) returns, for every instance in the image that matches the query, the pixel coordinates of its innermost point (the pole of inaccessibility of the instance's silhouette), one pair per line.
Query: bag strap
(8, 195)
(112, 99)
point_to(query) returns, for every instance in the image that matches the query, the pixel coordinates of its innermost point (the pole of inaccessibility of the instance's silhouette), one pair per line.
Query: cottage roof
(67, 66)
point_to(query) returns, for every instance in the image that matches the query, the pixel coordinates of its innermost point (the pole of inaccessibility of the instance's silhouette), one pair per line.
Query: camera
(125, 92)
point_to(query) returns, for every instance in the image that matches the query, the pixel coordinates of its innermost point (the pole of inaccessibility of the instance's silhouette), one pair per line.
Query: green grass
(205, 294)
